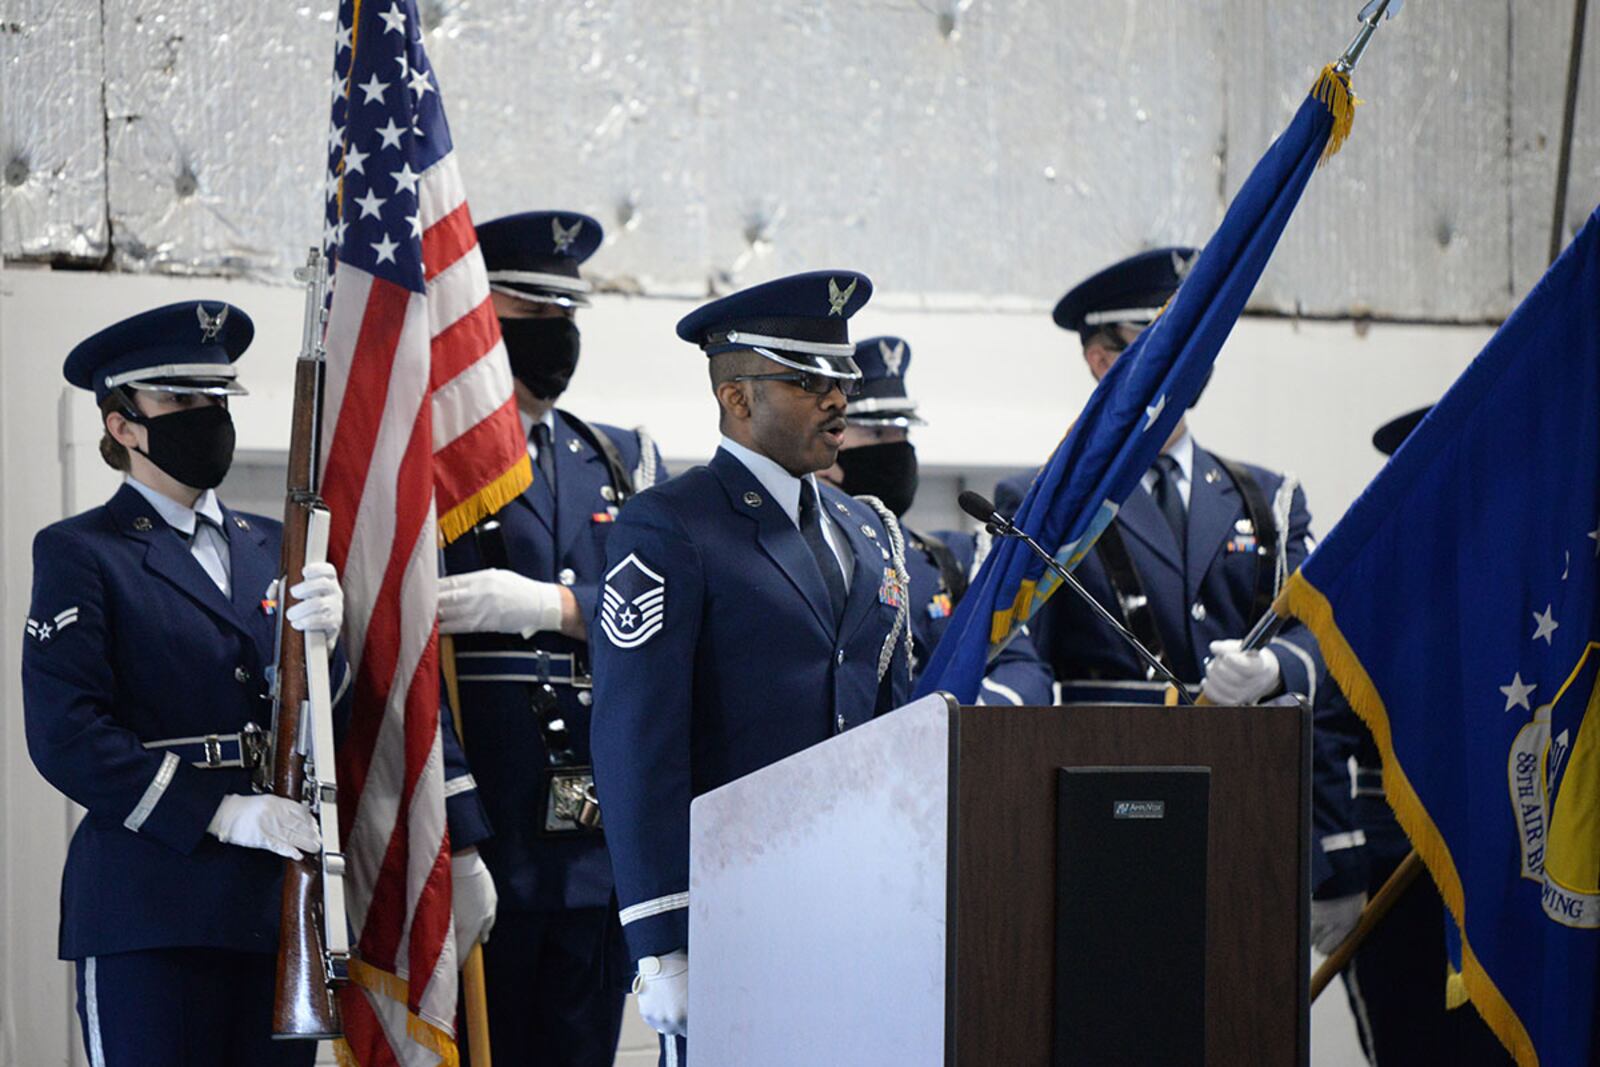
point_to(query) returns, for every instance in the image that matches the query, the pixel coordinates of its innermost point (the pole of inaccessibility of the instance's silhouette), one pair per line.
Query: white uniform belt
(215, 751)
(554, 668)
(1112, 691)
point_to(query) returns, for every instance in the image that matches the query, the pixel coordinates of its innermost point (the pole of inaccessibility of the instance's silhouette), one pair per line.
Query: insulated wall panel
(589, 107)
(1540, 41)
(968, 154)
(52, 132)
(1411, 220)
(216, 116)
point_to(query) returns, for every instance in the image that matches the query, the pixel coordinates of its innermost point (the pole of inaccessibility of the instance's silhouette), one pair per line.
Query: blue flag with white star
(1138, 402)
(1456, 605)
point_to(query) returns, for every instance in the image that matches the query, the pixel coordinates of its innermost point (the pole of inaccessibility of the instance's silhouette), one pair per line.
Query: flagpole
(475, 990)
(1369, 18)
(1580, 13)
(1371, 915)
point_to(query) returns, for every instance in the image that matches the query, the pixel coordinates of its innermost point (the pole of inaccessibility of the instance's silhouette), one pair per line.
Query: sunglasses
(813, 383)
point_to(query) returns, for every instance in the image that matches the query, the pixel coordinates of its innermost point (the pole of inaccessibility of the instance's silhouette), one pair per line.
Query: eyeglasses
(813, 383)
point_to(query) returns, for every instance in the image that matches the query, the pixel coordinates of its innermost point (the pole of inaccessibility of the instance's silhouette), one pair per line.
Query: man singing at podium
(749, 610)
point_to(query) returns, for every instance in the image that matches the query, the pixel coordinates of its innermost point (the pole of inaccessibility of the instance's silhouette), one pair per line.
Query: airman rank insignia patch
(42, 630)
(889, 591)
(633, 605)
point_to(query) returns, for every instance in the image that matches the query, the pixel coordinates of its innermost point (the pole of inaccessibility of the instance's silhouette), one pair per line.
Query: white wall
(998, 390)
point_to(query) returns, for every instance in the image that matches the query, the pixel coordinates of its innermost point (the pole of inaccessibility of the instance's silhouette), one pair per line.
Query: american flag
(423, 438)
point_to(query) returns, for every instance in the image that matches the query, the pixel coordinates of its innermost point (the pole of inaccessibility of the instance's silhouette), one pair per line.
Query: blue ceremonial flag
(1456, 605)
(1134, 408)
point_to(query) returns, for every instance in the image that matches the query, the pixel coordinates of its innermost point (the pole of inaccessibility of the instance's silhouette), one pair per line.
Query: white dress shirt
(784, 489)
(208, 545)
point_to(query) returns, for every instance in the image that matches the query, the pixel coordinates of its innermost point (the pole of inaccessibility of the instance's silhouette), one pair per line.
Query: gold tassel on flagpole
(1332, 87)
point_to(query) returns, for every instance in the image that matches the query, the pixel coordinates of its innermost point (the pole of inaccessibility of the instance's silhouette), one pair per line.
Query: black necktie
(201, 521)
(545, 456)
(1170, 500)
(827, 562)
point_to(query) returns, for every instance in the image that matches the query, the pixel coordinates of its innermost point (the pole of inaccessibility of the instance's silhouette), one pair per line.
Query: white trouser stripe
(91, 1011)
(152, 793)
(1004, 692)
(645, 909)
(1353, 984)
(671, 1043)
(1338, 842)
(456, 786)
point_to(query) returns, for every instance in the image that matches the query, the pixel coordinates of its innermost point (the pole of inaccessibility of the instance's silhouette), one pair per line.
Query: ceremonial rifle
(313, 939)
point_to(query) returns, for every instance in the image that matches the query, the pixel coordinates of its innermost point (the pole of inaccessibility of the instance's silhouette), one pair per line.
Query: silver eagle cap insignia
(210, 325)
(838, 298)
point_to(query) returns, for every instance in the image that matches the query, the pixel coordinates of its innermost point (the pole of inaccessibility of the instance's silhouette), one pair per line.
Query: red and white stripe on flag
(423, 441)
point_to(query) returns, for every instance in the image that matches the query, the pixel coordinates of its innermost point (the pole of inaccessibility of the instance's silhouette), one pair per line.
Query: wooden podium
(890, 896)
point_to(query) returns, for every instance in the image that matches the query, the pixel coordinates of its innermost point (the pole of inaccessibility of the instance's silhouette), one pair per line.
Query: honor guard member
(1396, 982)
(144, 670)
(1193, 559)
(749, 610)
(878, 460)
(518, 593)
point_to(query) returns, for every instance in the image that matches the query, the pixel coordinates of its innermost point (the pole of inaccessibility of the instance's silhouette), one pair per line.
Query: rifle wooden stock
(304, 1005)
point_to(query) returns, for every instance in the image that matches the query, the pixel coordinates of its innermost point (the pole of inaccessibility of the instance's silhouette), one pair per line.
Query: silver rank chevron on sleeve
(634, 603)
(43, 630)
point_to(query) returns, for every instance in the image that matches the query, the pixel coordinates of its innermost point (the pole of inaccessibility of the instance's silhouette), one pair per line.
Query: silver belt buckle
(571, 805)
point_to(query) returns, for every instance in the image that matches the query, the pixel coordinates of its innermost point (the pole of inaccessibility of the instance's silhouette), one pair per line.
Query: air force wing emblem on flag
(1553, 772)
(42, 630)
(633, 605)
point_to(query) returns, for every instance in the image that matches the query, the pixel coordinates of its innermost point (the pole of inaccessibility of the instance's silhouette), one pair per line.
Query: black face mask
(194, 446)
(544, 353)
(888, 472)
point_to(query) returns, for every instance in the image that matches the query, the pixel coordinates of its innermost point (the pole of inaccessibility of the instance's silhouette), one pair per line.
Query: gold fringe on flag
(1455, 989)
(1333, 89)
(1307, 603)
(486, 501)
(381, 983)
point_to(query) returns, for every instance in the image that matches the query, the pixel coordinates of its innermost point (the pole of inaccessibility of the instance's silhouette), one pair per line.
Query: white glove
(473, 900)
(1235, 677)
(274, 823)
(497, 601)
(662, 986)
(1333, 920)
(321, 601)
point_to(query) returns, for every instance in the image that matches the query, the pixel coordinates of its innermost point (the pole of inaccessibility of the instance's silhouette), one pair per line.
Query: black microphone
(979, 507)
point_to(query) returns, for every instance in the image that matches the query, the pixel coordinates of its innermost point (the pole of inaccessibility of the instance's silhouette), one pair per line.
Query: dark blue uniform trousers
(183, 1007)
(557, 981)
(1396, 989)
